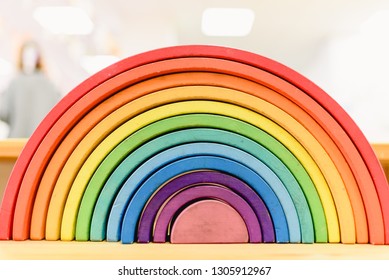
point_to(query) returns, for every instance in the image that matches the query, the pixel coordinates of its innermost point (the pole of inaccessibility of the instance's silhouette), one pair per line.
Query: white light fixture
(95, 63)
(227, 21)
(5, 67)
(64, 20)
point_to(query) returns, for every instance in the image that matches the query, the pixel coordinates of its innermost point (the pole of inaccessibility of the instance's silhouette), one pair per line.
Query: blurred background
(342, 46)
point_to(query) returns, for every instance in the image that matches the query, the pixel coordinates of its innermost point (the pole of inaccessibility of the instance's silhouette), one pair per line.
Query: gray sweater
(26, 102)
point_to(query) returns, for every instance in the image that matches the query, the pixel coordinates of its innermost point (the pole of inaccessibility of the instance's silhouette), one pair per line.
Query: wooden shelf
(11, 148)
(63, 250)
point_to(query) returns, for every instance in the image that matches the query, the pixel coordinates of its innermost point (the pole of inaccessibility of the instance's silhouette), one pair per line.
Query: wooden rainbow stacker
(197, 147)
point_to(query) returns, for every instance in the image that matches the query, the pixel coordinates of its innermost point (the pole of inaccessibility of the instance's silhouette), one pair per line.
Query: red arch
(275, 68)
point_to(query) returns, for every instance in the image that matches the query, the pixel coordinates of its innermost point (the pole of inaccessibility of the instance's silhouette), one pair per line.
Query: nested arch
(133, 207)
(114, 136)
(126, 167)
(145, 228)
(18, 201)
(196, 193)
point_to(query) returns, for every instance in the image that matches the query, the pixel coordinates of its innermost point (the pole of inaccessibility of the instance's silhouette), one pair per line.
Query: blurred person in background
(29, 96)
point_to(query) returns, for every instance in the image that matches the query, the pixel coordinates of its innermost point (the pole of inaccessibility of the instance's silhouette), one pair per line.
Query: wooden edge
(74, 250)
(11, 148)
(382, 152)
(61, 250)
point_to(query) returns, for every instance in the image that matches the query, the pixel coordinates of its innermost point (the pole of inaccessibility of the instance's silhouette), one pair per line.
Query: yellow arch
(251, 101)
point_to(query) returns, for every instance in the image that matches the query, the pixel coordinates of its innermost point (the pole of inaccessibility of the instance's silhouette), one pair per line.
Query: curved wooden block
(273, 68)
(134, 194)
(208, 192)
(125, 169)
(71, 168)
(132, 212)
(305, 119)
(194, 225)
(115, 138)
(163, 194)
(45, 191)
(185, 136)
(356, 200)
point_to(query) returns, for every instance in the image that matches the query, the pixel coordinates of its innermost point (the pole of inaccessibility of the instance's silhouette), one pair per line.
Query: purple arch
(147, 218)
(205, 192)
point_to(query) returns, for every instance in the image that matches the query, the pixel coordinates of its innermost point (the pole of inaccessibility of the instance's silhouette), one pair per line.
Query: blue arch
(273, 164)
(152, 165)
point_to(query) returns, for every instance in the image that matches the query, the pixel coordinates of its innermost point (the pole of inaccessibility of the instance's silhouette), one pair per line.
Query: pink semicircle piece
(194, 225)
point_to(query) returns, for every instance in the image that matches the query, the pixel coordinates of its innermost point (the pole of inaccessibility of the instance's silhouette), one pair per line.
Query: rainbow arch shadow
(323, 180)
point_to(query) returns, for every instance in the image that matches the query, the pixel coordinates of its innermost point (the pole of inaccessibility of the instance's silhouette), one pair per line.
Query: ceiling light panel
(227, 22)
(5, 67)
(64, 20)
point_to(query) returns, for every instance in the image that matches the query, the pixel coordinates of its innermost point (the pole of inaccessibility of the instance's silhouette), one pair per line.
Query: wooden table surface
(61, 250)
